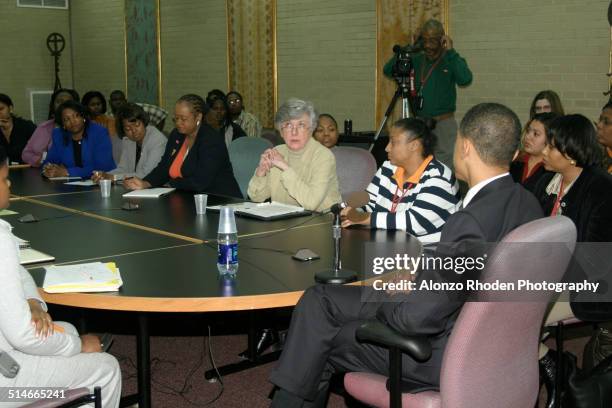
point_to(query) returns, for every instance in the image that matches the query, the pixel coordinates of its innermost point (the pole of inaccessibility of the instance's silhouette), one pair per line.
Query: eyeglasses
(183, 119)
(300, 126)
(234, 101)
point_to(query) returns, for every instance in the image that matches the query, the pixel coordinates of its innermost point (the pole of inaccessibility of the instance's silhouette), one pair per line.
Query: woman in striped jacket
(412, 191)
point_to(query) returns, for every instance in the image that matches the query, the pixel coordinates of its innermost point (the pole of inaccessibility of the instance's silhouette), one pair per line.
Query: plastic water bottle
(227, 243)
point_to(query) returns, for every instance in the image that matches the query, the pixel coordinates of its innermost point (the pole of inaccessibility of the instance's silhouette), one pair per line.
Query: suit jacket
(96, 151)
(516, 171)
(589, 204)
(206, 168)
(153, 147)
(501, 206)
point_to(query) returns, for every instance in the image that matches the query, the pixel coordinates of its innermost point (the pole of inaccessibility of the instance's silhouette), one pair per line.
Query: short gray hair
(433, 25)
(294, 108)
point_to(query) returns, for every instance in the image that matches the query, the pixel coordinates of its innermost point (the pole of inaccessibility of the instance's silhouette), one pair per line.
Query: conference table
(167, 253)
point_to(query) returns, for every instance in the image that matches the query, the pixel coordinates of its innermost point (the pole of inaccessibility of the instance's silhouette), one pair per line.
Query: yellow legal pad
(87, 277)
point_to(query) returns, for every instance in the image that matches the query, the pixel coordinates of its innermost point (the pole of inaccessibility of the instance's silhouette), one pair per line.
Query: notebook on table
(149, 192)
(29, 256)
(265, 211)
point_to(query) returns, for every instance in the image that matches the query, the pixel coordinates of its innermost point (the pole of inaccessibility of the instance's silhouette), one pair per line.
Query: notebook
(265, 211)
(29, 256)
(87, 277)
(149, 192)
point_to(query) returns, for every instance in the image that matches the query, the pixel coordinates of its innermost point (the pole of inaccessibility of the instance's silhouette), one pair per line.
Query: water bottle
(227, 243)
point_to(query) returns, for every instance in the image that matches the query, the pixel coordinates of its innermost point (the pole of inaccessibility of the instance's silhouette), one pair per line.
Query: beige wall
(98, 29)
(26, 61)
(327, 54)
(326, 51)
(517, 48)
(194, 48)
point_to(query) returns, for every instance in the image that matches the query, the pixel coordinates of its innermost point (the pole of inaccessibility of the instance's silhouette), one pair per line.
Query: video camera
(403, 60)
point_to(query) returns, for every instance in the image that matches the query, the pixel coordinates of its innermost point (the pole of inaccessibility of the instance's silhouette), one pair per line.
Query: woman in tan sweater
(302, 171)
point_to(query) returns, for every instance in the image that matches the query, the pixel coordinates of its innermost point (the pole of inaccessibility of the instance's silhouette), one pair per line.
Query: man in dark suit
(321, 339)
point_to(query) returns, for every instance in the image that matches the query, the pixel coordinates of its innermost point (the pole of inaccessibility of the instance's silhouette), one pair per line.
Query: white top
(16, 329)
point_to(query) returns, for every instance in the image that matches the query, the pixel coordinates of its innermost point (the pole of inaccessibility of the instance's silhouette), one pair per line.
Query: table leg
(143, 356)
(143, 353)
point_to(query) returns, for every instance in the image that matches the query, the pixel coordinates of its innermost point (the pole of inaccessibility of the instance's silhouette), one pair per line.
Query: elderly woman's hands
(278, 160)
(264, 164)
(270, 158)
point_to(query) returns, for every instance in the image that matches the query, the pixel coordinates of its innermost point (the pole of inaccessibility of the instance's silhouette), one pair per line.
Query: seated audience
(195, 158)
(78, 146)
(116, 99)
(95, 103)
(412, 191)
(238, 115)
(326, 131)
(218, 118)
(577, 188)
(528, 168)
(36, 150)
(546, 101)
(581, 190)
(301, 172)
(321, 339)
(604, 135)
(14, 131)
(143, 145)
(50, 354)
(157, 115)
(214, 94)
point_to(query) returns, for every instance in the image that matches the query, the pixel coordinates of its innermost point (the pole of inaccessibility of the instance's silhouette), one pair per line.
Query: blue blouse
(96, 151)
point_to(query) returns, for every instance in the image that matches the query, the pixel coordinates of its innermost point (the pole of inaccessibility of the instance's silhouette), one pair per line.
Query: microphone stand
(336, 275)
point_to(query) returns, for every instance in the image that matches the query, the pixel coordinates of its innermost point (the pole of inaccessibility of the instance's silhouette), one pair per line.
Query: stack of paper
(87, 277)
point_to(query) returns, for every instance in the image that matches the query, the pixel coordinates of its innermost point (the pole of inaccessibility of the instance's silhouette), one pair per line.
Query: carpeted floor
(179, 352)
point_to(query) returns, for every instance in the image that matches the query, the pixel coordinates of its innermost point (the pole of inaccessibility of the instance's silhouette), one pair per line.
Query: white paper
(148, 192)
(28, 256)
(265, 210)
(81, 183)
(64, 178)
(87, 277)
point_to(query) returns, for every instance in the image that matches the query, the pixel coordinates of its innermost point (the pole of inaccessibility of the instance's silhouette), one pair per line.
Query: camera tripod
(402, 91)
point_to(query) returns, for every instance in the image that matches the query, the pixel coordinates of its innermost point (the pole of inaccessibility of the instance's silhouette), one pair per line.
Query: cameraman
(438, 69)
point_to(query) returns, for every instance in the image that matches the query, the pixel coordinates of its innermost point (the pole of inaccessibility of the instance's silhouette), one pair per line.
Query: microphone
(337, 274)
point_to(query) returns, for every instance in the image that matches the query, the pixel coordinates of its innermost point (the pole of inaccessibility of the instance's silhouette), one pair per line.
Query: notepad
(29, 256)
(64, 178)
(149, 192)
(87, 277)
(85, 183)
(265, 211)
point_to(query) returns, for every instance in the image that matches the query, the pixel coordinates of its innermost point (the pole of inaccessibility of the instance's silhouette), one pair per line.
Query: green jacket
(439, 92)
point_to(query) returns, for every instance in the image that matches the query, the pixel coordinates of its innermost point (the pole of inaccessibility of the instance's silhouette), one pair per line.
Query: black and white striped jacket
(423, 210)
